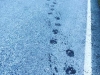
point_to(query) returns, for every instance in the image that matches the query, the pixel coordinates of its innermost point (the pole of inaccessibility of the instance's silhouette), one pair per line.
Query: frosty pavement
(42, 37)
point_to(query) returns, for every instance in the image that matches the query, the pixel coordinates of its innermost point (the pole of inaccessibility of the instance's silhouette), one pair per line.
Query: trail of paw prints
(70, 53)
(69, 70)
(52, 64)
(52, 4)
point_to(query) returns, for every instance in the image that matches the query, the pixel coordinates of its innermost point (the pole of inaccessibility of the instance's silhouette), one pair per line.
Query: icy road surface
(42, 37)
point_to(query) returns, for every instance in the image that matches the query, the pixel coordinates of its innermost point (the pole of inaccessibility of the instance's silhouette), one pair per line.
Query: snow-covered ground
(42, 37)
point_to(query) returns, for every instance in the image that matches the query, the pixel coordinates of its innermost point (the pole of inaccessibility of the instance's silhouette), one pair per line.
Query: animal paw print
(70, 53)
(55, 31)
(53, 41)
(70, 70)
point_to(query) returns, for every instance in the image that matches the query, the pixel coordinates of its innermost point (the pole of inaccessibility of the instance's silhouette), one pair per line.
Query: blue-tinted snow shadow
(95, 37)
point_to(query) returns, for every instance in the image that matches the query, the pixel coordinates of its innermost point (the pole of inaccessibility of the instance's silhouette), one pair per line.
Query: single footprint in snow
(55, 31)
(70, 53)
(57, 24)
(57, 18)
(70, 70)
(53, 41)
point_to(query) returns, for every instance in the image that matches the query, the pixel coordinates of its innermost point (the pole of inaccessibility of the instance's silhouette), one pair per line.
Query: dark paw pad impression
(53, 41)
(57, 24)
(57, 18)
(55, 31)
(70, 53)
(70, 70)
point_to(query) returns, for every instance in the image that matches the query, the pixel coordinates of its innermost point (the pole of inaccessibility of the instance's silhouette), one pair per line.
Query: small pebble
(56, 69)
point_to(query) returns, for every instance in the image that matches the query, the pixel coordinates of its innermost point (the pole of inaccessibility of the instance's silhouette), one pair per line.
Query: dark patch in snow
(52, 9)
(50, 13)
(50, 65)
(49, 56)
(70, 70)
(54, 3)
(57, 24)
(65, 43)
(53, 73)
(56, 69)
(57, 18)
(53, 41)
(64, 68)
(55, 31)
(70, 53)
